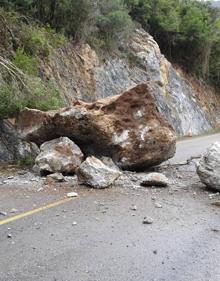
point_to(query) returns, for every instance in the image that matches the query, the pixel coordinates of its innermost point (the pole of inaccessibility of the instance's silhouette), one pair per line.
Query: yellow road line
(29, 213)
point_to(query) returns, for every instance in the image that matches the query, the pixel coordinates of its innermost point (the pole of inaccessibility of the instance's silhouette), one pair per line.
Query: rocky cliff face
(191, 108)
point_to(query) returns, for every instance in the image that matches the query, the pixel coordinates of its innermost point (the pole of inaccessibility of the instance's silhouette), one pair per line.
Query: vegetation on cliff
(188, 32)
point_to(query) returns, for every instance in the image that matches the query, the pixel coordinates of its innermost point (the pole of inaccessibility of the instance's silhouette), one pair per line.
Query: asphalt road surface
(97, 237)
(193, 147)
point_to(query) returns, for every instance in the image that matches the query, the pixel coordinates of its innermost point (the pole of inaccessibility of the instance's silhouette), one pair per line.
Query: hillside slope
(190, 106)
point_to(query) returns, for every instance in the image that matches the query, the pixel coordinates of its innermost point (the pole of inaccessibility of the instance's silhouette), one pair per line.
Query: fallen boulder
(95, 173)
(208, 168)
(127, 128)
(59, 155)
(155, 179)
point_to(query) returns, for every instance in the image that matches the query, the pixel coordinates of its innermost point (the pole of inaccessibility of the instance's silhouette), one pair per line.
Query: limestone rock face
(128, 128)
(12, 147)
(189, 106)
(59, 155)
(96, 174)
(208, 168)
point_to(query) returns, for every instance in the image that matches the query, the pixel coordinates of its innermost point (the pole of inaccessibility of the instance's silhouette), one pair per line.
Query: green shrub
(17, 92)
(34, 41)
(27, 63)
(28, 161)
(44, 96)
(9, 103)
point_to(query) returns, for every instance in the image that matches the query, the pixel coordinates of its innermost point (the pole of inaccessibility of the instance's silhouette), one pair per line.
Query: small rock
(13, 211)
(10, 177)
(148, 220)
(56, 177)
(155, 179)
(212, 195)
(72, 194)
(158, 205)
(21, 173)
(134, 208)
(3, 213)
(74, 223)
(34, 180)
(9, 235)
(155, 252)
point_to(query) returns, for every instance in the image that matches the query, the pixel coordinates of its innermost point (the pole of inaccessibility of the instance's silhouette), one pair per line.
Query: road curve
(193, 147)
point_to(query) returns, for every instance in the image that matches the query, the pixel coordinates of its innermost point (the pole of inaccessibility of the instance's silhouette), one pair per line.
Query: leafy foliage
(19, 90)
(186, 30)
(27, 63)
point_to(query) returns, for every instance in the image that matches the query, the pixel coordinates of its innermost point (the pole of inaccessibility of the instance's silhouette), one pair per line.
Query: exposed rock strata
(12, 147)
(189, 106)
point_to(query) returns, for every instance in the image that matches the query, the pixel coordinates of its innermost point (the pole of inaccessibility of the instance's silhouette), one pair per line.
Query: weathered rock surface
(128, 128)
(189, 105)
(12, 147)
(59, 155)
(208, 168)
(95, 173)
(155, 179)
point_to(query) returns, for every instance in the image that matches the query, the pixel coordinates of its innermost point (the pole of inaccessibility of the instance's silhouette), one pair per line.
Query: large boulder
(94, 173)
(59, 155)
(208, 168)
(128, 128)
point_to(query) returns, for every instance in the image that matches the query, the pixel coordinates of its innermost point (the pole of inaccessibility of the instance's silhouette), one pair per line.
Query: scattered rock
(95, 173)
(155, 179)
(56, 177)
(128, 128)
(3, 213)
(134, 208)
(21, 173)
(211, 196)
(13, 210)
(208, 168)
(148, 220)
(59, 155)
(72, 194)
(158, 205)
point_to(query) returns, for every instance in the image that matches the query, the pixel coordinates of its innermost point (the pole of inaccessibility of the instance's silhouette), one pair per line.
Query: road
(193, 147)
(97, 237)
